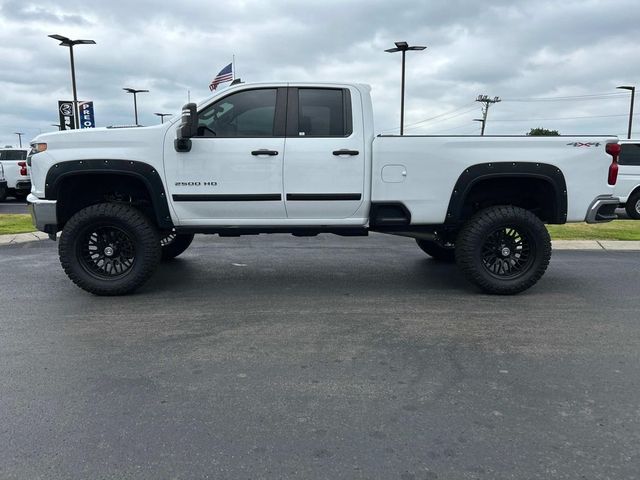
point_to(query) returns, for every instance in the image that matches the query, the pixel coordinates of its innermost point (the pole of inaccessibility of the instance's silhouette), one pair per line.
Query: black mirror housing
(188, 128)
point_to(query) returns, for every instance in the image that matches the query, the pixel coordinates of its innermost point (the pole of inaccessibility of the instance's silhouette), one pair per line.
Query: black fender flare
(484, 171)
(144, 172)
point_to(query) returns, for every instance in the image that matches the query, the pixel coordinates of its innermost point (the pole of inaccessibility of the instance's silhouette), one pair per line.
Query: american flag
(225, 75)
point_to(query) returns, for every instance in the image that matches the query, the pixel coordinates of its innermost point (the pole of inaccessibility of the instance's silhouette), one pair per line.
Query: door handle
(345, 151)
(264, 151)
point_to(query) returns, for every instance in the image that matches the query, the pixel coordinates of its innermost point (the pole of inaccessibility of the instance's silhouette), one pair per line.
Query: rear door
(324, 162)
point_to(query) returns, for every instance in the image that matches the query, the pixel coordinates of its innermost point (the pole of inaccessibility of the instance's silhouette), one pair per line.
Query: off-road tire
(437, 251)
(517, 240)
(93, 224)
(633, 206)
(173, 244)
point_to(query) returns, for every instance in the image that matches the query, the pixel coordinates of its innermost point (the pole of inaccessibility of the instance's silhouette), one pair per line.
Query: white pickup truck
(304, 159)
(13, 161)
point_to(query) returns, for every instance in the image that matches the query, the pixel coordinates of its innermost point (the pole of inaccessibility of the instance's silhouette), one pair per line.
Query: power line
(434, 117)
(559, 118)
(593, 96)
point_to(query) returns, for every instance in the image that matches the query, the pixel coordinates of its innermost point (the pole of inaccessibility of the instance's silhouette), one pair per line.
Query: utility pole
(19, 137)
(487, 102)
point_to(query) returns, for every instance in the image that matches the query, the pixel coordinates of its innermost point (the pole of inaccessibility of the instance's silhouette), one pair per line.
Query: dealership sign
(66, 114)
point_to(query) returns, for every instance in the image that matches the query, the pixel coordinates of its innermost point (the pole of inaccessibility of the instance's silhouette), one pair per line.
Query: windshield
(13, 155)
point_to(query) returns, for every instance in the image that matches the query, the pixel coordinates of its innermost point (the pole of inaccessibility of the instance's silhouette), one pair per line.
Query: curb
(22, 238)
(609, 245)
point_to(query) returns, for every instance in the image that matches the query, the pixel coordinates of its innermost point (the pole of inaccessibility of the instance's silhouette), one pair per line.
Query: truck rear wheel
(633, 206)
(109, 249)
(503, 250)
(173, 244)
(437, 251)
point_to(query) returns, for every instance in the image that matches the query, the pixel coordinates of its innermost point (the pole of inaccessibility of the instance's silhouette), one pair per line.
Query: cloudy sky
(554, 64)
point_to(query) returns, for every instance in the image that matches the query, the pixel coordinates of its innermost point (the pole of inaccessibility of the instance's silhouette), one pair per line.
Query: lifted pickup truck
(303, 159)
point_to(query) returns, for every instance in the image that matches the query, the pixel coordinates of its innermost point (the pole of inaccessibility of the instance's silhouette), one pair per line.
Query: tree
(542, 132)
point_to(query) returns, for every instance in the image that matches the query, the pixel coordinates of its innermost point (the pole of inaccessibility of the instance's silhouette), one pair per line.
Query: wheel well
(80, 191)
(536, 194)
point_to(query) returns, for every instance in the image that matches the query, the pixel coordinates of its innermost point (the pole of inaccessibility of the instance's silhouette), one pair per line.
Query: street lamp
(135, 102)
(67, 42)
(19, 137)
(633, 94)
(481, 120)
(162, 115)
(402, 47)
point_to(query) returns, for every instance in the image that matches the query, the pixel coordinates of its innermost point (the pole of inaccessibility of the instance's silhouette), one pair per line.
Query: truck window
(630, 154)
(13, 155)
(249, 113)
(322, 112)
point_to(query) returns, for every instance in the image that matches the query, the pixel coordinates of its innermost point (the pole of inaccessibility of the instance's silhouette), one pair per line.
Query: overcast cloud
(515, 50)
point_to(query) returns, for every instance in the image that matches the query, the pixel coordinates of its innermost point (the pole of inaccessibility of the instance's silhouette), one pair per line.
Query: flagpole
(233, 66)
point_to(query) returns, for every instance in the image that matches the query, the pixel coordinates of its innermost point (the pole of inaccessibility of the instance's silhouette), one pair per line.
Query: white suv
(628, 184)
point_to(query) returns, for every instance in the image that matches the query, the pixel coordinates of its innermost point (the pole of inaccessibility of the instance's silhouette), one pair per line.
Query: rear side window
(323, 112)
(13, 155)
(630, 154)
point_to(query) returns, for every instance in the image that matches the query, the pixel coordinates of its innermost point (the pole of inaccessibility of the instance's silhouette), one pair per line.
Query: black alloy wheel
(503, 250)
(508, 252)
(109, 248)
(106, 251)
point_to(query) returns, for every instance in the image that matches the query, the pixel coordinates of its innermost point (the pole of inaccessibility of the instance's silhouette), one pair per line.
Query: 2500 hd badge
(196, 184)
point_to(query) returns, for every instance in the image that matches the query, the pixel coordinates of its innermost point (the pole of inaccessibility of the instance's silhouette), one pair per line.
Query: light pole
(402, 47)
(67, 42)
(135, 102)
(19, 137)
(633, 94)
(162, 115)
(481, 120)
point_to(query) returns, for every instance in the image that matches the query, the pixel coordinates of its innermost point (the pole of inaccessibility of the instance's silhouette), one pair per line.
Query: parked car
(14, 162)
(304, 159)
(628, 185)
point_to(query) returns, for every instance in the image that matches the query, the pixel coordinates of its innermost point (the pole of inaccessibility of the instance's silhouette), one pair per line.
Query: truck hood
(100, 138)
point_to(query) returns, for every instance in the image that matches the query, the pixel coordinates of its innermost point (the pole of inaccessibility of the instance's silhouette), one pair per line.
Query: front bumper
(602, 209)
(43, 214)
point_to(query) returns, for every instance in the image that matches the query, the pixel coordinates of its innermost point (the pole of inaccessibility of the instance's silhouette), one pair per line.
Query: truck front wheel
(109, 249)
(503, 250)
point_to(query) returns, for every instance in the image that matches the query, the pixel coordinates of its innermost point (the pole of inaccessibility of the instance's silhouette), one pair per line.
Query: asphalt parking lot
(11, 205)
(329, 358)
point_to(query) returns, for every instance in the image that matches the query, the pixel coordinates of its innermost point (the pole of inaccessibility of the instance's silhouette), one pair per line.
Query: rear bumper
(23, 186)
(43, 214)
(602, 209)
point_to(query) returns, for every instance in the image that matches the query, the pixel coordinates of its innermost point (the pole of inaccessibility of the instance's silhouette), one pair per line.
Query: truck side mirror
(188, 128)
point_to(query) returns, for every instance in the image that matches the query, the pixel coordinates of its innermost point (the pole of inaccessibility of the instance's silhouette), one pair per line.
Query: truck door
(234, 168)
(324, 153)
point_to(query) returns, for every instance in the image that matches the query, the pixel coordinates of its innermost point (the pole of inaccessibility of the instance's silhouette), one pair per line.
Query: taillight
(23, 168)
(613, 149)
